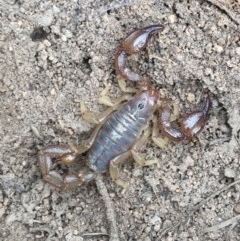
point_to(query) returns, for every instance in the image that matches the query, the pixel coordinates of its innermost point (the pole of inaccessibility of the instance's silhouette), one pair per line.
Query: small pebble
(47, 43)
(238, 50)
(75, 232)
(45, 19)
(53, 92)
(230, 173)
(155, 219)
(172, 18)
(10, 219)
(237, 207)
(191, 97)
(208, 71)
(68, 34)
(64, 38)
(188, 161)
(218, 48)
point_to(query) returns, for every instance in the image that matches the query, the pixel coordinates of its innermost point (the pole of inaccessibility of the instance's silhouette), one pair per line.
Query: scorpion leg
(138, 157)
(114, 170)
(101, 117)
(159, 141)
(105, 99)
(123, 86)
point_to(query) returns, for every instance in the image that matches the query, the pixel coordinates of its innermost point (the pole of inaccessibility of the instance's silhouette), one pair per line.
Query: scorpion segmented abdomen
(117, 136)
(122, 129)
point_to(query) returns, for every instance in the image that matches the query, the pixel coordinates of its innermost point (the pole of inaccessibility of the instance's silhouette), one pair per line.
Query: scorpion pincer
(132, 44)
(124, 129)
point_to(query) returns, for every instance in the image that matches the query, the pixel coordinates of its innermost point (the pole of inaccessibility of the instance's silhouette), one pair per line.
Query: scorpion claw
(45, 164)
(54, 179)
(165, 123)
(71, 181)
(138, 39)
(190, 125)
(133, 43)
(194, 122)
(65, 154)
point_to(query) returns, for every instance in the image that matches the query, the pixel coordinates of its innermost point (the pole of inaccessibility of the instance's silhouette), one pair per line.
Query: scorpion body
(122, 130)
(116, 137)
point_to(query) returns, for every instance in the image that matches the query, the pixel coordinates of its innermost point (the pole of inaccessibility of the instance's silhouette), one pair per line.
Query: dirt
(55, 54)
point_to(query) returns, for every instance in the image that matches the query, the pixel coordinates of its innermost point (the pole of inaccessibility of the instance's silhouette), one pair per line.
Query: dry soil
(55, 54)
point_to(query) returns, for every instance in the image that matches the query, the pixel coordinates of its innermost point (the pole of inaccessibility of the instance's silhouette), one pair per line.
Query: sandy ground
(55, 54)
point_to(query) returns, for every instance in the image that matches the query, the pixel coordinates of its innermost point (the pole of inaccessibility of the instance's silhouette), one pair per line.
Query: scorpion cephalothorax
(123, 128)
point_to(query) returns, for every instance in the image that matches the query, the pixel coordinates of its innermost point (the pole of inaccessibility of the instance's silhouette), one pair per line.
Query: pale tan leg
(88, 144)
(114, 170)
(123, 86)
(101, 117)
(105, 99)
(175, 113)
(139, 157)
(95, 118)
(161, 142)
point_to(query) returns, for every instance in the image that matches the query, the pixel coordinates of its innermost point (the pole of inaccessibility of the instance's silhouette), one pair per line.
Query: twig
(93, 234)
(195, 208)
(223, 224)
(220, 6)
(36, 132)
(110, 208)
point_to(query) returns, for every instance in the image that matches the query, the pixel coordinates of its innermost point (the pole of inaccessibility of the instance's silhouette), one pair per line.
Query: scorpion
(123, 128)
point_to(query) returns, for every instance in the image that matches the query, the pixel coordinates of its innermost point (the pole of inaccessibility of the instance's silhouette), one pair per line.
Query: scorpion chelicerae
(122, 129)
